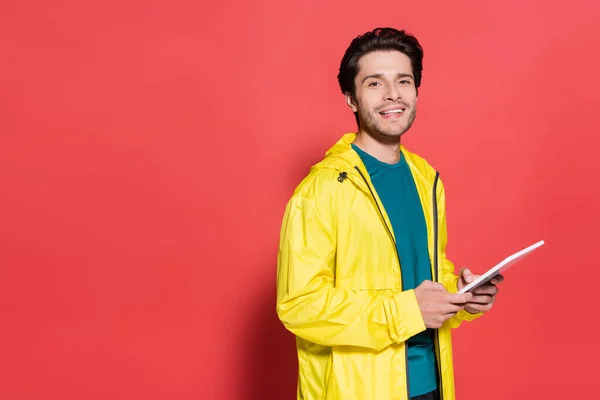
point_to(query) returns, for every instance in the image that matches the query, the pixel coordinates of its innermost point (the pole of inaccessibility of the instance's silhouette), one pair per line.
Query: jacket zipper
(399, 267)
(435, 270)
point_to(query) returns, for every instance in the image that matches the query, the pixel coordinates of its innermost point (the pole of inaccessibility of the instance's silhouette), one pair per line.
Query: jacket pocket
(358, 373)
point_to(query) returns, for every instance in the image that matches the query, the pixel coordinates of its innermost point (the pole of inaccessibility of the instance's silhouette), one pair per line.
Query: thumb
(466, 274)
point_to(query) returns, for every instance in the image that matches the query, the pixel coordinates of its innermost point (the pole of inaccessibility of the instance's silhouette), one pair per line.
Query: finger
(479, 307)
(486, 289)
(451, 308)
(481, 299)
(447, 316)
(497, 279)
(458, 298)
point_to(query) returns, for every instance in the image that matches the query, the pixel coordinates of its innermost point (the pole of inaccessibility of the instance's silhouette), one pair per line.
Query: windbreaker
(339, 282)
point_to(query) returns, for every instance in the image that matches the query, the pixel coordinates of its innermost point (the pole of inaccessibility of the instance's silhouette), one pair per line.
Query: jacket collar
(344, 157)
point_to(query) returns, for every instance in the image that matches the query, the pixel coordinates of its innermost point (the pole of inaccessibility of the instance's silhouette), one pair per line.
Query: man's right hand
(437, 305)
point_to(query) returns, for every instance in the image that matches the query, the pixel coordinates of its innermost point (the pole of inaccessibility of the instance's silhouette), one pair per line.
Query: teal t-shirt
(396, 188)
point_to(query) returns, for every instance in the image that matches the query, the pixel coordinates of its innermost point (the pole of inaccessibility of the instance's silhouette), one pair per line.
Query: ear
(351, 102)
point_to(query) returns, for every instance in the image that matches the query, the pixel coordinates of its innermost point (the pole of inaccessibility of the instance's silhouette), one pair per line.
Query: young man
(363, 280)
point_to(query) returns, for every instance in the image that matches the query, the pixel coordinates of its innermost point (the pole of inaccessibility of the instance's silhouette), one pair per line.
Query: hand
(437, 305)
(484, 296)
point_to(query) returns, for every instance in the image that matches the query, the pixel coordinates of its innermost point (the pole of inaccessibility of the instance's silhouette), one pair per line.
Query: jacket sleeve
(313, 308)
(449, 278)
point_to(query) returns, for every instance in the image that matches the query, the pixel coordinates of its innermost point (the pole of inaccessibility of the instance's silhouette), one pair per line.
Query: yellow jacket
(339, 287)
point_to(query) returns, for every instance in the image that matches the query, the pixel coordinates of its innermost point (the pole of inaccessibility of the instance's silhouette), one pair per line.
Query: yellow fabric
(339, 285)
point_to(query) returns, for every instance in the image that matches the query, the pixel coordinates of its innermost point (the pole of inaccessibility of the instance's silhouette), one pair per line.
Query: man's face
(385, 95)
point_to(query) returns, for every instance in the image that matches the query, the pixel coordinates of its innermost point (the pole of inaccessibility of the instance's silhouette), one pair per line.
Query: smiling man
(363, 280)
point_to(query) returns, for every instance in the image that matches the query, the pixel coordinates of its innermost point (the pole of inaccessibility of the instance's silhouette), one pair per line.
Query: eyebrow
(381, 76)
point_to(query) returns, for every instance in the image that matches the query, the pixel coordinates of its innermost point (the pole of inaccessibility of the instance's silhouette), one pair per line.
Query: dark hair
(386, 39)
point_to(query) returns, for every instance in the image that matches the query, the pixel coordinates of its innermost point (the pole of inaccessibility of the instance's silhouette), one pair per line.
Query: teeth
(392, 112)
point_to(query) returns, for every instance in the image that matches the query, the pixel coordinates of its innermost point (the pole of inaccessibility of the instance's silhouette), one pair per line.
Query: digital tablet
(501, 267)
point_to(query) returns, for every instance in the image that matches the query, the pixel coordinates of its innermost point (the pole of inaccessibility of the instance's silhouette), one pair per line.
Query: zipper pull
(342, 176)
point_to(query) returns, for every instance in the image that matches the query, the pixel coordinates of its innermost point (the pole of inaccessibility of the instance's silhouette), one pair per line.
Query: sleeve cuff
(407, 320)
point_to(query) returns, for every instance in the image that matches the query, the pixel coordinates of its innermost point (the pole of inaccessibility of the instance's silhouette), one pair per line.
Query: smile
(393, 111)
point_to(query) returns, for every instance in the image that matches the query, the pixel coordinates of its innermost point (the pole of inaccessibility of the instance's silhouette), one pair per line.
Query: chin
(387, 136)
(396, 133)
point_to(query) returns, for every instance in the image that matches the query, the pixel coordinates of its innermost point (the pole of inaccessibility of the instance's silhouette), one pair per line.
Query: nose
(392, 93)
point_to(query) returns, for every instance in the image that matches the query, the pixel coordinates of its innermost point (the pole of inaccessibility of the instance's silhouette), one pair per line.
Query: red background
(147, 151)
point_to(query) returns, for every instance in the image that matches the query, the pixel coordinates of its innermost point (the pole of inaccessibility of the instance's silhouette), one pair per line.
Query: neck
(385, 149)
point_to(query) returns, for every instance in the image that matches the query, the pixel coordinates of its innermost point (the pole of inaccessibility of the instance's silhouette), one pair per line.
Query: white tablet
(501, 267)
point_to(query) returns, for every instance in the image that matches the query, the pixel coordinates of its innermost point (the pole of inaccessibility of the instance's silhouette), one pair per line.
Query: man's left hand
(484, 296)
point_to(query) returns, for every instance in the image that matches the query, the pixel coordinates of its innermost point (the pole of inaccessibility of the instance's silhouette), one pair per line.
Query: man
(363, 280)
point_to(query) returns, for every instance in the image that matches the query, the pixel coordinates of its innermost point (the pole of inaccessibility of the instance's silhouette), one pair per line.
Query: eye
(374, 83)
(405, 82)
